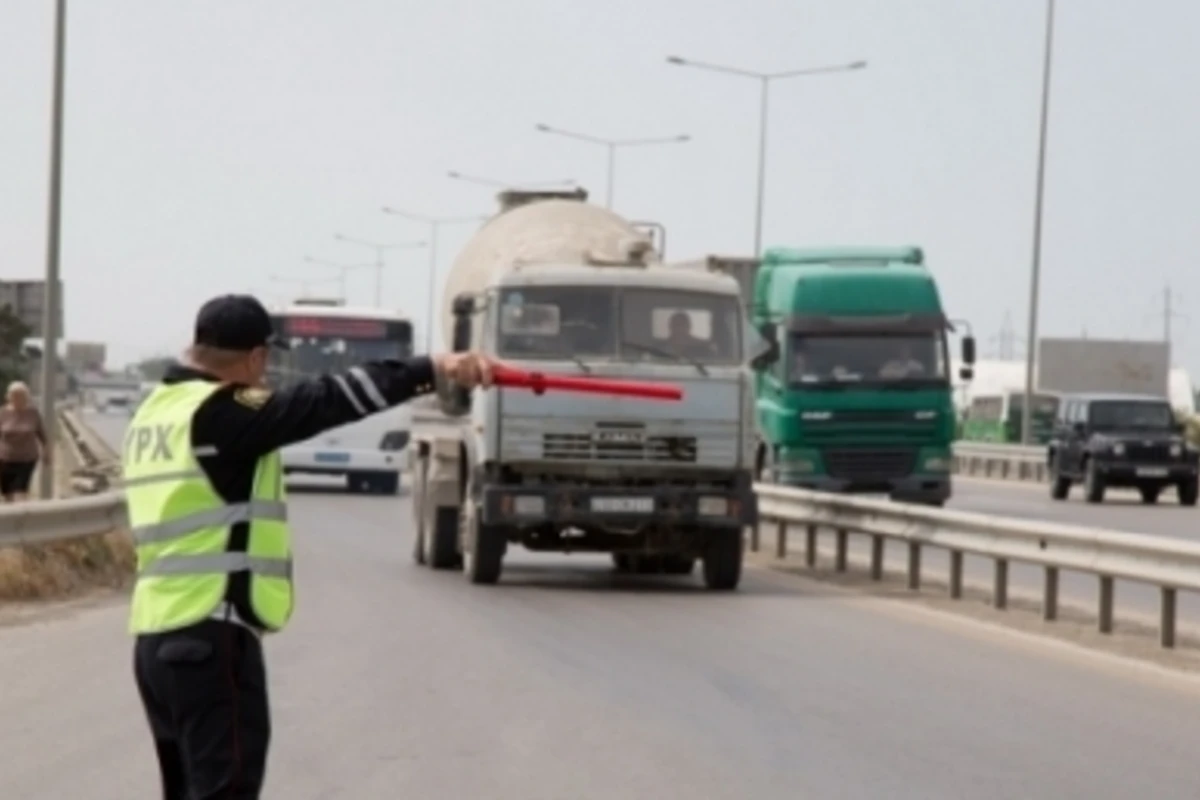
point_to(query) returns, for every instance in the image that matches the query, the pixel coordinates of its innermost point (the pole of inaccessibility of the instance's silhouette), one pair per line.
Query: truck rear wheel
(437, 535)
(723, 561)
(418, 507)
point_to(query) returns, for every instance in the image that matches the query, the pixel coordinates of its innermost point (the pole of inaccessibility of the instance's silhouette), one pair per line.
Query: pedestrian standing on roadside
(23, 443)
(207, 510)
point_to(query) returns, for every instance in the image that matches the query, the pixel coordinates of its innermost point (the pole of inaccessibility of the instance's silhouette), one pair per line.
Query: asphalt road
(568, 683)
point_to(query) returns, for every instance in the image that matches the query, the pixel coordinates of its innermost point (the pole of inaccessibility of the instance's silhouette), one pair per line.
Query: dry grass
(65, 569)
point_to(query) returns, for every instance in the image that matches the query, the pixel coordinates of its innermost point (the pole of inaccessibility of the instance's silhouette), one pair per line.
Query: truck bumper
(928, 488)
(620, 508)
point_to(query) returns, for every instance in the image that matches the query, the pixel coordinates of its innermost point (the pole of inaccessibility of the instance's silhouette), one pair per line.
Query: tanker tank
(540, 227)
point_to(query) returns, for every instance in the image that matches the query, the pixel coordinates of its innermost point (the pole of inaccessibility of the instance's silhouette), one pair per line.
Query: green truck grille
(869, 464)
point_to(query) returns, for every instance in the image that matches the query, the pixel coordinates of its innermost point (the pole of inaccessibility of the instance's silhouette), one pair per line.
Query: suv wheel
(1093, 483)
(1188, 490)
(1060, 486)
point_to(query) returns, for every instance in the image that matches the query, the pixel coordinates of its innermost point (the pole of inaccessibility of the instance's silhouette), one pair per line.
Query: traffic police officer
(204, 488)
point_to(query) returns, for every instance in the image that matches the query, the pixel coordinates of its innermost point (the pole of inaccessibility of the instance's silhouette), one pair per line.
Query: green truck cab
(853, 388)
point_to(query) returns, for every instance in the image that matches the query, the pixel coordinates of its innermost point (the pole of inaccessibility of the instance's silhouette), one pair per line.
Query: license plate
(623, 505)
(333, 458)
(1152, 472)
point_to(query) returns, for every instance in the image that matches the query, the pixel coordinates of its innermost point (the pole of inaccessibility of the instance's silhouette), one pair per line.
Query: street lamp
(379, 249)
(612, 145)
(466, 178)
(52, 305)
(343, 269)
(1035, 273)
(435, 224)
(764, 79)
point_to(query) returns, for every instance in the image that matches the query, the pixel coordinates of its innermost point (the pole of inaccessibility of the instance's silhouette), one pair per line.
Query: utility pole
(1035, 273)
(52, 310)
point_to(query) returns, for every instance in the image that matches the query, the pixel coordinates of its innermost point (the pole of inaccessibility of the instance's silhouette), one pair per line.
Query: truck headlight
(1176, 450)
(937, 464)
(712, 506)
(1118, 449)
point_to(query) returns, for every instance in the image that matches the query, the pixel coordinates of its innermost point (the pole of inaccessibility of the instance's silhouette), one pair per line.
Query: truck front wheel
(723, 560)
(483, 545)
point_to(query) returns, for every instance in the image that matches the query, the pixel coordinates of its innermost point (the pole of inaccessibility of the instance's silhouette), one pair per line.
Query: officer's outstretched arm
(247, 422)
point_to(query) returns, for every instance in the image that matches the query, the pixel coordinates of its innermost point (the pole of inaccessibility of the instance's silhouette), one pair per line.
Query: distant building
(86, 356)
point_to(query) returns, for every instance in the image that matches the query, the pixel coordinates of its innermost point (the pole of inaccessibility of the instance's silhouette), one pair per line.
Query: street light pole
(612, 145)
(761, 201)
(52, 306)
(435, 224)
(1035, 274)
(378, 248)
(764, 79)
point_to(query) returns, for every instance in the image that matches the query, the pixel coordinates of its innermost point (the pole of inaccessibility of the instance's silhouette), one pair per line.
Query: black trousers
(204, 689)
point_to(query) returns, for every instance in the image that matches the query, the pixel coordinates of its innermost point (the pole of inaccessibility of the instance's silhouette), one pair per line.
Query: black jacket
(246, 424)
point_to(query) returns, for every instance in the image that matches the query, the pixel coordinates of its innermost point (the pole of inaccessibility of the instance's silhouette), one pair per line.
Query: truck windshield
(630, 324)
(1122, 414)
(915, 359)
(334, 346)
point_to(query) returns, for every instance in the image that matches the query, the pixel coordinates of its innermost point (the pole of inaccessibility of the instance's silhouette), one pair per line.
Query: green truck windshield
(882, 359)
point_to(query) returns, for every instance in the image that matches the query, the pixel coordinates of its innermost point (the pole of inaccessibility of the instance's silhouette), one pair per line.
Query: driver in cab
(680, 339)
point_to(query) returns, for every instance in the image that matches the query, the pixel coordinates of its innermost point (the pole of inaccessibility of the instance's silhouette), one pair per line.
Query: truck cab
(853, 391)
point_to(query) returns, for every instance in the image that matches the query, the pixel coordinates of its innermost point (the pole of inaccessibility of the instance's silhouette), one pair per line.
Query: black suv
(1120, 440)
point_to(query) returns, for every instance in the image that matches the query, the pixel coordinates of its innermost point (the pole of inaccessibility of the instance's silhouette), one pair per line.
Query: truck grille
(584, 447)
(867, 464)
(898, 427)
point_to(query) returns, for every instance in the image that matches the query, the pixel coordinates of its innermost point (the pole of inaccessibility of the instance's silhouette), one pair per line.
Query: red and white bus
(327, 337)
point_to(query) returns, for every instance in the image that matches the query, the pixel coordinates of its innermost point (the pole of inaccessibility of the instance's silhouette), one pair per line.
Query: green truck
(852, 381)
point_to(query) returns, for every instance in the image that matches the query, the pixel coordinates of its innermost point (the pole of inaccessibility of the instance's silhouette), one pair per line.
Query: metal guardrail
(1003, 461)
(99, 511)
(97, 465)
(1170, 565)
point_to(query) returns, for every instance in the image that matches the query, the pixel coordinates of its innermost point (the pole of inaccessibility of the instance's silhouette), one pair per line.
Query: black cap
(235, 322)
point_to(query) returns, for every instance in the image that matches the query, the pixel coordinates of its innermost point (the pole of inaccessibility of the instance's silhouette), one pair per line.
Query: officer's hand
(467, 370)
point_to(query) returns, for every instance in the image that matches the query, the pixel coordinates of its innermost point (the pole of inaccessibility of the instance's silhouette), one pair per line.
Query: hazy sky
(212, 144)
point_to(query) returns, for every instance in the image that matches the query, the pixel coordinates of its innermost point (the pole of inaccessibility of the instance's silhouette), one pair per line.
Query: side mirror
(767, 356)
(463, 308)
(966, 373)
(968, 349)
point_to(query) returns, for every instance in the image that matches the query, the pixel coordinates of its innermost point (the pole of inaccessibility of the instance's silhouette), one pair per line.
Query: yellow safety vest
(182, 527)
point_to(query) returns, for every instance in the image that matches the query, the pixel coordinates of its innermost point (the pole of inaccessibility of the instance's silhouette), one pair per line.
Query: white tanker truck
(554, 284)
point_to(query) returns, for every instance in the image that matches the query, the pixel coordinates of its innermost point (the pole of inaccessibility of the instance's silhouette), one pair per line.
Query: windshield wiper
(552, 352)
(658, 351)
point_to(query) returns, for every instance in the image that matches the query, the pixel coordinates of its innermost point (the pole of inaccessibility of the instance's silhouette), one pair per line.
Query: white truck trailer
(555, 284)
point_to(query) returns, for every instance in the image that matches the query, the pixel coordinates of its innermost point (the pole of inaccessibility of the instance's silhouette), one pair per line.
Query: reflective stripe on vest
(182, 528)
(222, 517)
